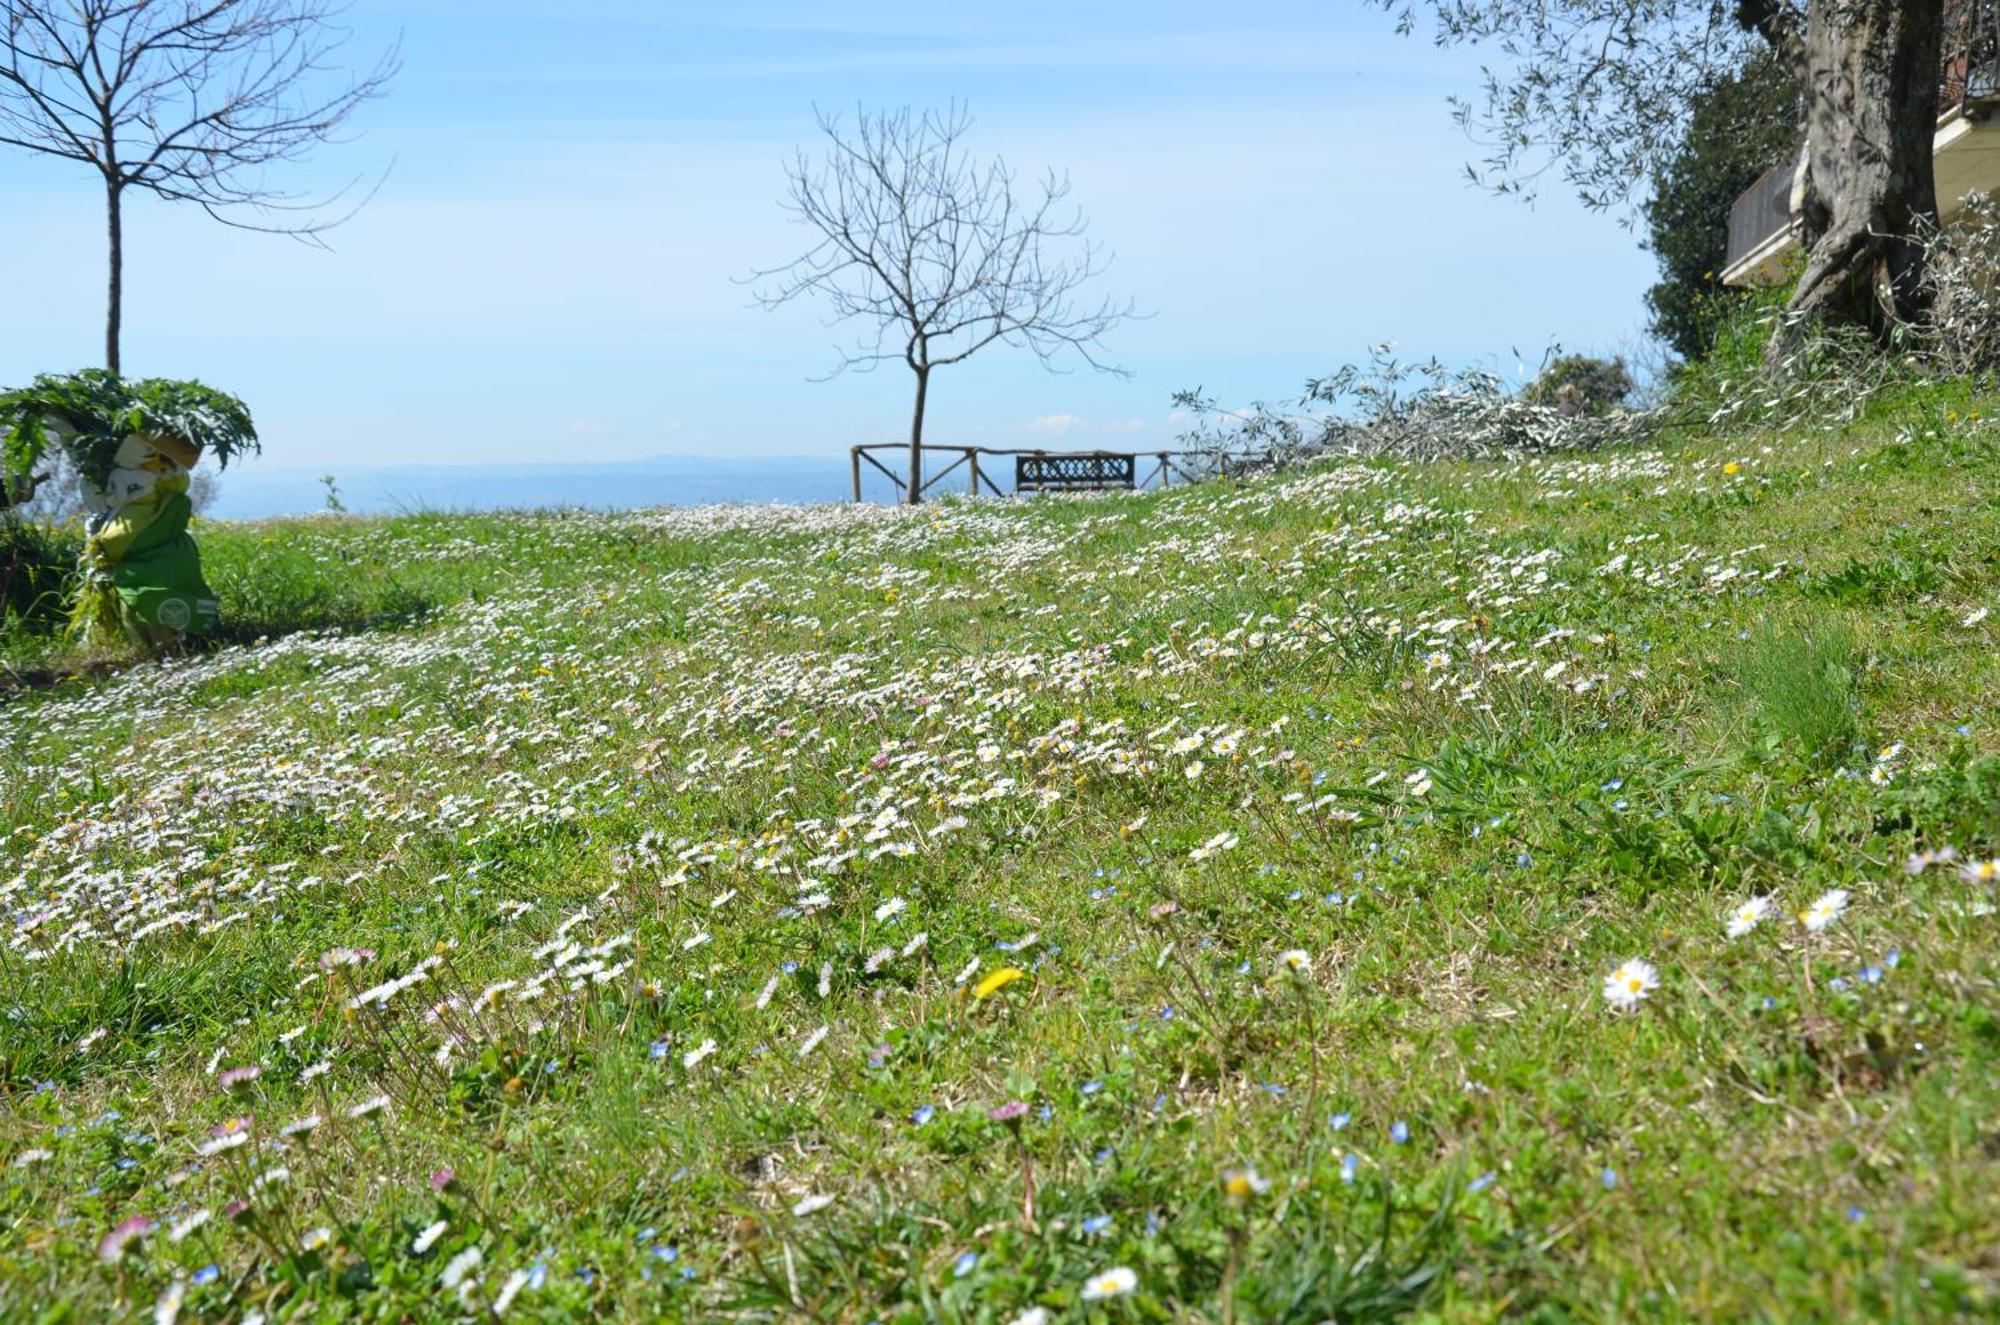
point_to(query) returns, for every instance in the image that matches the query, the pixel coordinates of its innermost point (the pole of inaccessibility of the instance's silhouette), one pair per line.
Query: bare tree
(937, 255)
(190, 100)
(1595, 87)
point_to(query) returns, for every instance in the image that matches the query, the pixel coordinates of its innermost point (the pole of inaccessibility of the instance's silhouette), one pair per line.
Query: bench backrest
(1102, 471)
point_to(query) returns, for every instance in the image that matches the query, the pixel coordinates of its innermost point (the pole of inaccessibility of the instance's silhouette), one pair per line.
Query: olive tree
(189, 100)
(1593, 88)
(937, 256)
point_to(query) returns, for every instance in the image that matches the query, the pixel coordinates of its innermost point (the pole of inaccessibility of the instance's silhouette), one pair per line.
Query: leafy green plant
(1802, 675)
(89, 414)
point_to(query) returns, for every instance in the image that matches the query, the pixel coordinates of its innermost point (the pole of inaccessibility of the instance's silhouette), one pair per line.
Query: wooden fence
(1042, 470)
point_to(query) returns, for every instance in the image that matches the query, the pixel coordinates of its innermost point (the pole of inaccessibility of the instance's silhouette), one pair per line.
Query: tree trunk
(115, 306)
(1871, 75)
(915, 492)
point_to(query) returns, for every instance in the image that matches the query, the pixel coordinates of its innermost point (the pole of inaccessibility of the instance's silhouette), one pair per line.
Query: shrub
(1590, 385)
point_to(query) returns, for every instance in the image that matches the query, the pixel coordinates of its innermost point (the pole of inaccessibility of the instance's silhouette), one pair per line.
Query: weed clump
(1801, 675)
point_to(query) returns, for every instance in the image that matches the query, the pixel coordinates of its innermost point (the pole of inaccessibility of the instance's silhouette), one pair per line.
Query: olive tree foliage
(1744, 124)
(1587, 90)
(1591, 89)
(936, 255)
(191, 101)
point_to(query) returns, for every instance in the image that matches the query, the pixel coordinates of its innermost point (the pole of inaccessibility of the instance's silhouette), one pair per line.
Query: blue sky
(553, 267)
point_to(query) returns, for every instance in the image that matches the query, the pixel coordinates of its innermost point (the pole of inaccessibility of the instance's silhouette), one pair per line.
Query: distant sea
(253, 493)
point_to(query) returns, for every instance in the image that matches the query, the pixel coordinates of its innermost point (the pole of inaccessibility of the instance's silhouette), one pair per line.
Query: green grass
(591, 792)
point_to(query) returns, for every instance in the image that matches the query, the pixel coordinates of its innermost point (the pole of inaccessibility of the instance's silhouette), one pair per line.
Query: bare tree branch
(190, 100)
(937, 256)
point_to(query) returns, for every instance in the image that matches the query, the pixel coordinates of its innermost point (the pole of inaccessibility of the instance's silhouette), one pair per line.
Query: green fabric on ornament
(153, 561)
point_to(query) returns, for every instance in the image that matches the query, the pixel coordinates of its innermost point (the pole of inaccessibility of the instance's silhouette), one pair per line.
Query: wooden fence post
(854, 459)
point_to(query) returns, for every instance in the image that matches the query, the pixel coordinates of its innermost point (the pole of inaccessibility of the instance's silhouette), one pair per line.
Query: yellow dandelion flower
(995, 982)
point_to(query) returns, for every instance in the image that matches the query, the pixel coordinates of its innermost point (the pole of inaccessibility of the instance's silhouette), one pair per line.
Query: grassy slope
(1633, 690)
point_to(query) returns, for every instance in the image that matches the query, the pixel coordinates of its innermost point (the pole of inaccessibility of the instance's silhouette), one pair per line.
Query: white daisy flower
(1826, 909)
(1631, 982)
(460, 1266)
(1746, 917)
(1114, 1282)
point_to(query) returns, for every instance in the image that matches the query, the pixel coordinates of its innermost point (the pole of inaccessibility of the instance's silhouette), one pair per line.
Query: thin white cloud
(1057, 424)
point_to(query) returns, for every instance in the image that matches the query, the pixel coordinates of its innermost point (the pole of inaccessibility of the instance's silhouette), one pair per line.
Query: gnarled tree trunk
(1871, 74)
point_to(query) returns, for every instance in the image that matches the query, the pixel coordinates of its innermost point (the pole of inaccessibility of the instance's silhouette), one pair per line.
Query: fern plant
(89, 414)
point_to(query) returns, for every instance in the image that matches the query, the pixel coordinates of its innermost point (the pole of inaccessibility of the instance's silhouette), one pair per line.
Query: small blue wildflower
(1399, 1131)
(965, 1264)
(658, 1049)
(1096, 1224)
(667, 1254)
(1893, 958)
(1340, 1120)
(1480, 1183)
(1615, 784)
(924, 1113)
(1092, 1087)
(1871, 975)
(1350, 1164)
(1102, 1155)
(1610, 1179)
(207, 1274)
(789, 967)
(1855, 1214)
(1166, 1014)
(1152, 1223)
(1046, 1112)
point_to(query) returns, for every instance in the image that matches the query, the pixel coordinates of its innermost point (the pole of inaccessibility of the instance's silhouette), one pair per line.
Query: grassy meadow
(1328, 897)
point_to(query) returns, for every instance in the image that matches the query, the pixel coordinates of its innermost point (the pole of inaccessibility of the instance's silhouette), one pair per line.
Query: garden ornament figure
(133, 445)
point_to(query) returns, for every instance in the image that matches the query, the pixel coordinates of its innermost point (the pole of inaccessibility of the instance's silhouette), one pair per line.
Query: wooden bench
(1086, 471)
